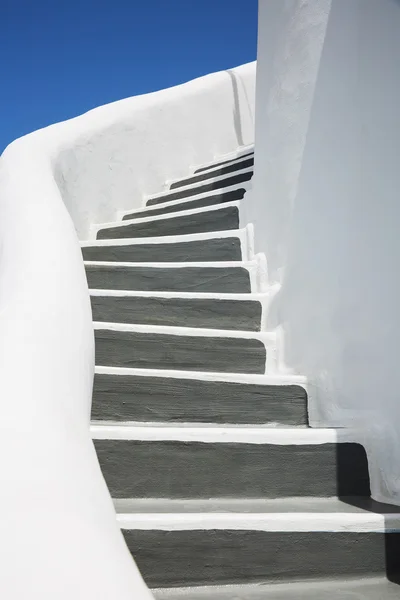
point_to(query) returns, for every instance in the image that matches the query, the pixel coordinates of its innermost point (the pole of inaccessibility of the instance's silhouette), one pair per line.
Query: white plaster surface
(325, 202)
(90, 167)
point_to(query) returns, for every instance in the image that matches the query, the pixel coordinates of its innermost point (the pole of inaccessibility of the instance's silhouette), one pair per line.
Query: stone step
(146, 346)
(198, 398)
(236, 160)
(217, 183)
(199, 311)
(198, 462)
(164, 277)
(223, 217)
(222, 170)
(213, 249)
(220, 542)
(176, 206)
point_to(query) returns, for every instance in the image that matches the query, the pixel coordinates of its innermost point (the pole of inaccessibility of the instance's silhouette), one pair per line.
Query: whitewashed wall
(326, 192)
(58, 533)
(124, 150)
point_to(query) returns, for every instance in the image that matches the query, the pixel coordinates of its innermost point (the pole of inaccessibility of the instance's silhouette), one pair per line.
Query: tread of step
(217, 184)
(213, 165)
(207, 250)
(229, 196)
(204, 175)
(155, 397)
(363, 588)
(198, 541)
(179, 348)
(164, 277)
(247, 462)
(214, 313)
(224, 217)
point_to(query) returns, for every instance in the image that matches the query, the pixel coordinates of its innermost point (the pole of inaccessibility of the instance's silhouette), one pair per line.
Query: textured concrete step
(217, 249)
(235, 161)
(221, 557)
(218, 184)
(181, 279)
(233, 541)
(219, 219)
(173, 399)
(230, 196)
(362, 588)
(182, 462)
(223, 170)
(145, 349)
(210, 313)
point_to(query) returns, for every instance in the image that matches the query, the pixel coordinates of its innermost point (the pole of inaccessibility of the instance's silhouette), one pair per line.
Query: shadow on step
(353, 487)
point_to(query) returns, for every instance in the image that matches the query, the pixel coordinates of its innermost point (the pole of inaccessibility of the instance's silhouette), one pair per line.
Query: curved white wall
(59, 536)
(124, 150)
(331, 216)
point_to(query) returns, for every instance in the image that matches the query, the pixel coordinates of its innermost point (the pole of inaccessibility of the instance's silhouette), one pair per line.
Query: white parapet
(59, 537)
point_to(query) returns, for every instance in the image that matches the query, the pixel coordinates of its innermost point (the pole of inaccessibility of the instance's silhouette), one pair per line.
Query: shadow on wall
(236, 106)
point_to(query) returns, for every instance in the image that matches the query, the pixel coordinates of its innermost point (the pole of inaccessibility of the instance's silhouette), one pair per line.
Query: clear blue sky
(60, 58)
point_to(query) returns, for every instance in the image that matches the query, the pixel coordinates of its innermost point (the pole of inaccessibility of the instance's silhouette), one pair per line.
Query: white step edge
(170, 182)
(250, 266)
(268, 522)
(268, 338)
(241, 234)
(218, 179)
(245, 185)
(236, 154)
(165, 217)
(172, 265)
(367, 588)
(245, 378)
(239, 434)
(247, 297)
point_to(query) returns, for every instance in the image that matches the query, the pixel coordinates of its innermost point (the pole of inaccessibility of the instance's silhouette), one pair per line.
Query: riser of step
(219, 249)
(178, 469)
(206, 187)
(221, 557)
(214, 220)
(191, 312)
(136, 349)
(236, 161)
(230, 196)
(195, 279)
(223, 170)
(172, 400)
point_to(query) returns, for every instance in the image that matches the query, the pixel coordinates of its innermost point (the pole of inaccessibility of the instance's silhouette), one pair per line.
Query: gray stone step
(210, 313)
(200, 189)
(245, 542)
(145, 349)
(179, 279)
(223, 170)
(218, 249)
(221, 557)
(176, 400)
(230, 196)
(191, 469)
(362, 588)
(220, 219)
(235, 161)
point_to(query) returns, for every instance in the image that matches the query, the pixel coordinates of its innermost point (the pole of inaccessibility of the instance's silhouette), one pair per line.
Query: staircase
(220, 487)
